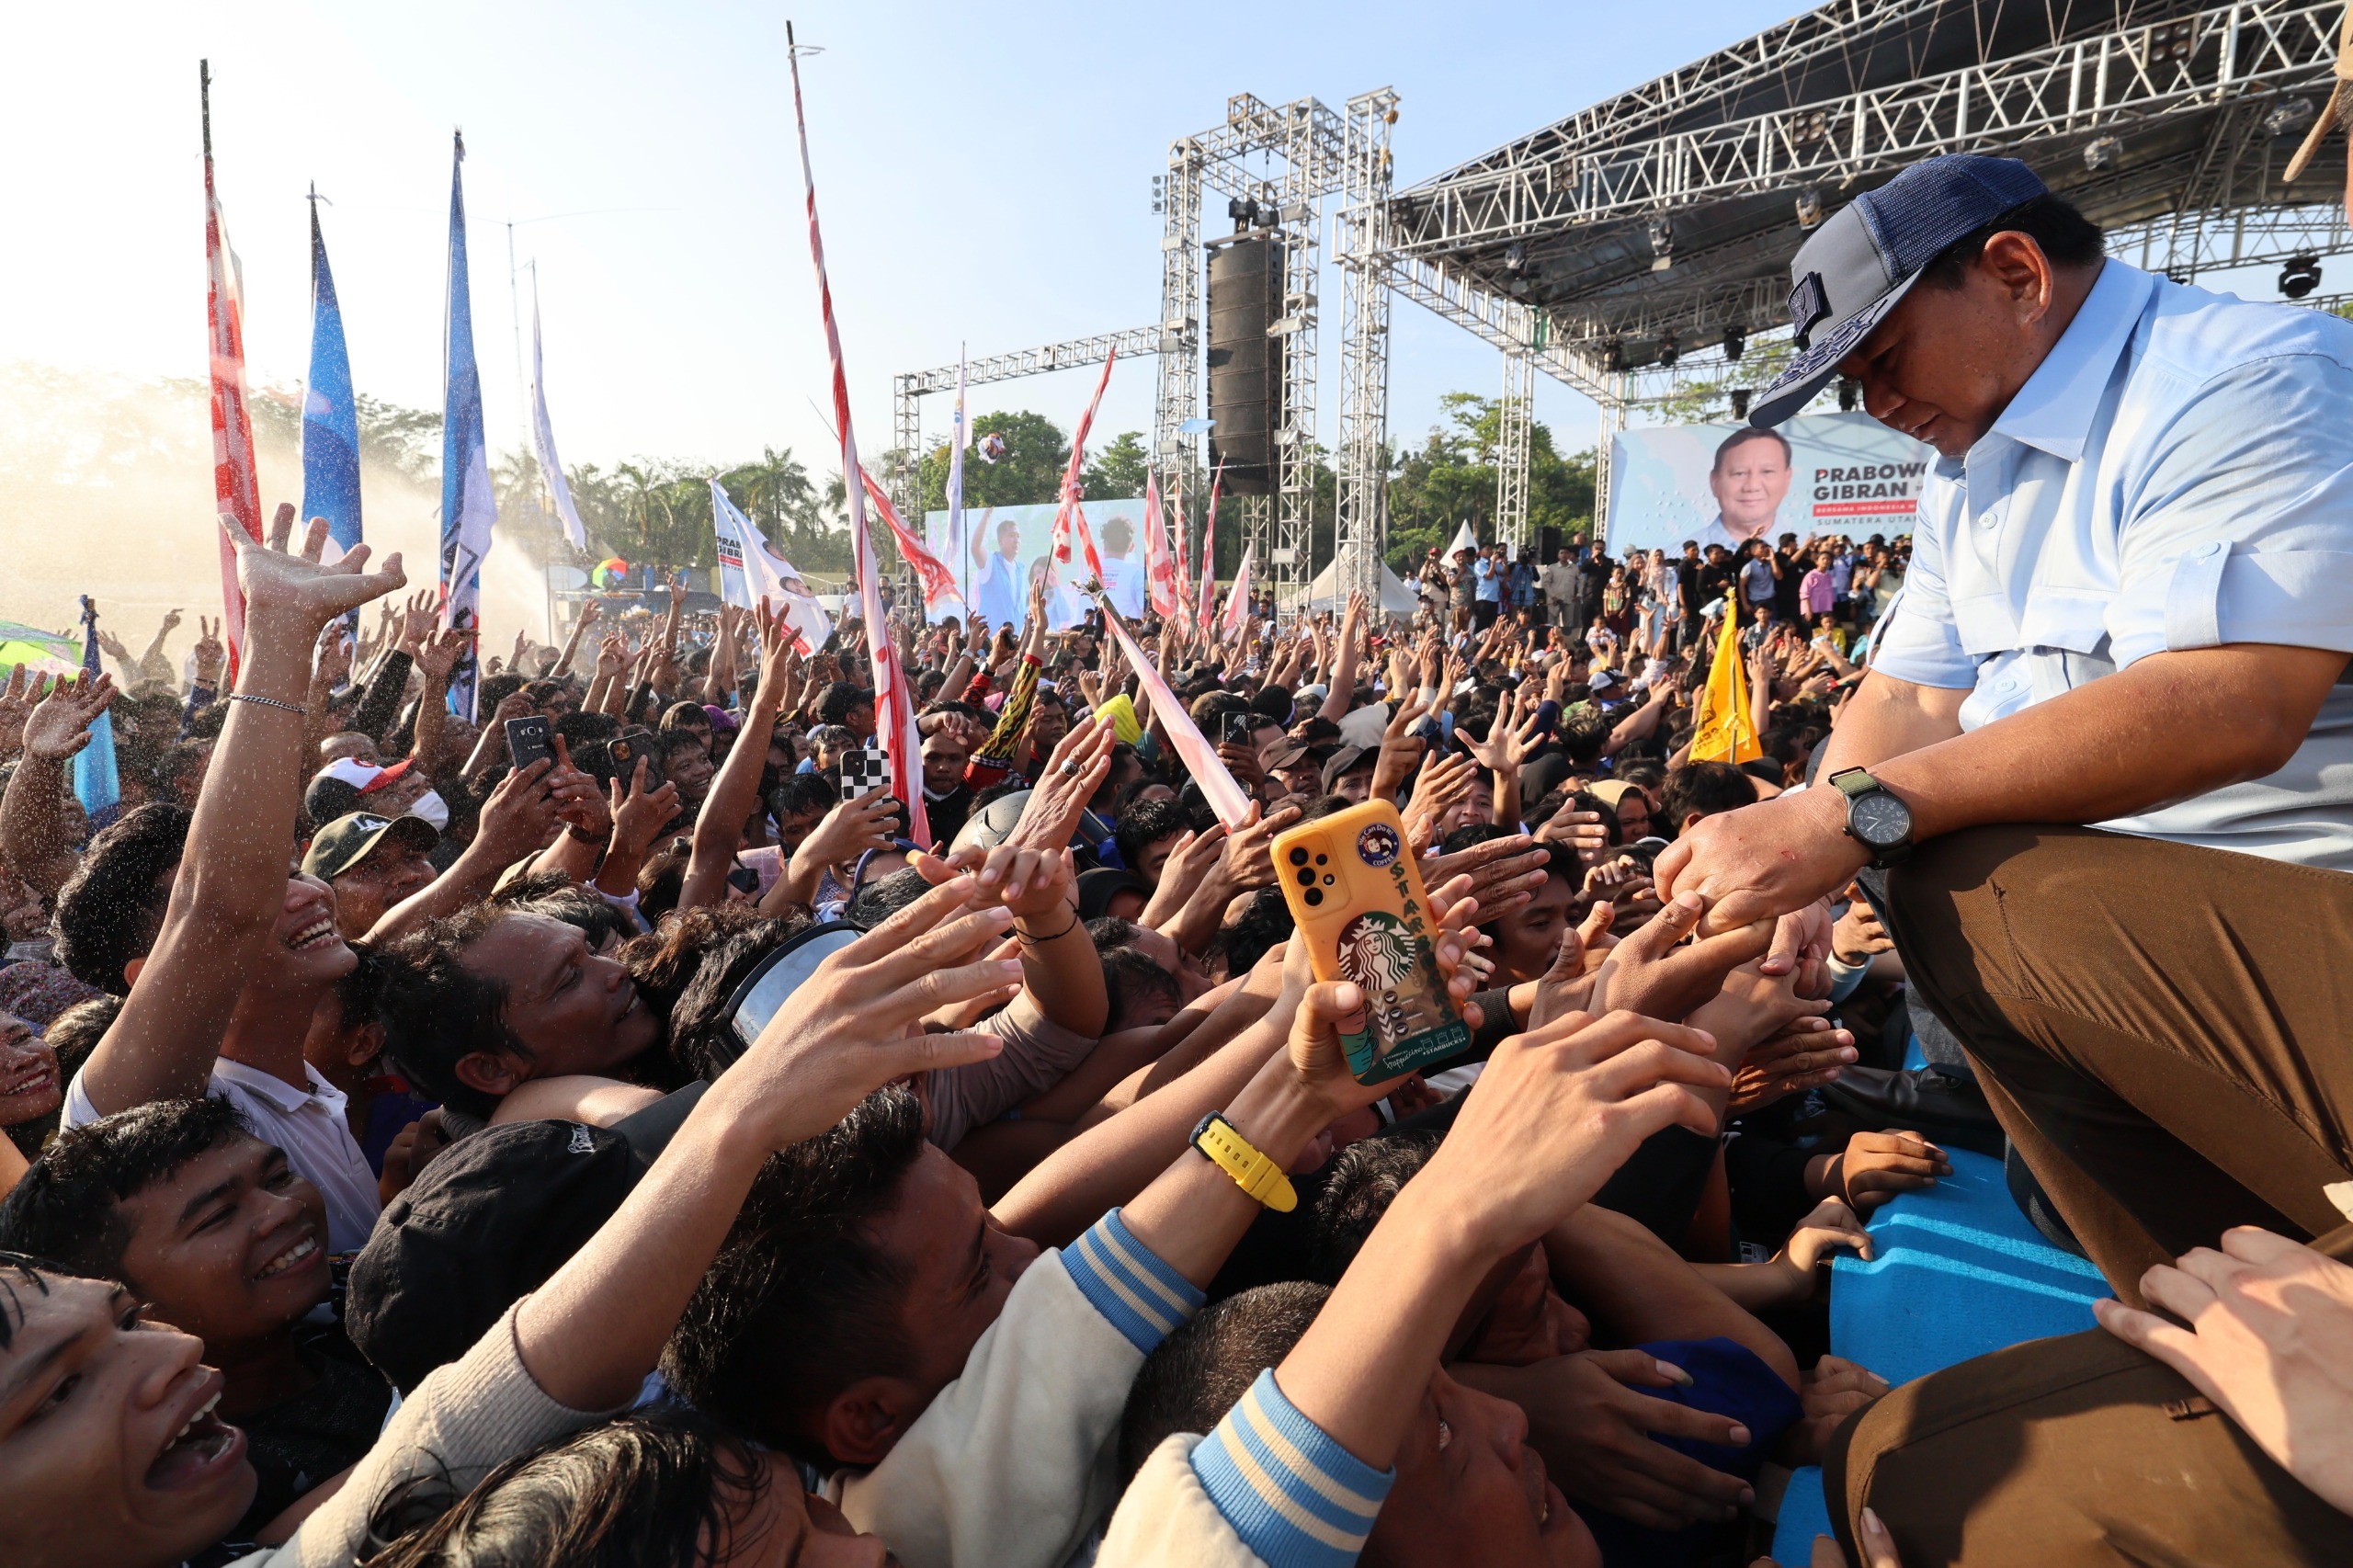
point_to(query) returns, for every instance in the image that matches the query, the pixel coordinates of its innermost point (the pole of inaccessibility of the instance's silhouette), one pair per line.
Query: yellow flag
(1725, 731)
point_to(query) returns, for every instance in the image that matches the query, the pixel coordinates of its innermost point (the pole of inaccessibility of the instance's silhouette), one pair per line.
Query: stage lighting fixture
(1850, 392)
(1662, 238)
(1613, 355)
(1516, 258)
(1670, 351)
(2101, 152)
(2300, 277)
(1740, 396)
(1809, 208)
(1735, 340)
(2288, 117)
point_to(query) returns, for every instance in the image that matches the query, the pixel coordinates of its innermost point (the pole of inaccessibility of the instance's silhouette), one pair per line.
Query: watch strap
(1249, 1167)
(1854, 781)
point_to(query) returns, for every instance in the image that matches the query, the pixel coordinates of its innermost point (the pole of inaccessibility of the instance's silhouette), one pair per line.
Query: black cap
(1098, 887)
(488, 1221)
(347, 840)
(1339, 763)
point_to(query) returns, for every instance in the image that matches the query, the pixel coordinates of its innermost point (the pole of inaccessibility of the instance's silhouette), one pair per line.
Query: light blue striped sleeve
(1292, 1493)
(1126, 1283)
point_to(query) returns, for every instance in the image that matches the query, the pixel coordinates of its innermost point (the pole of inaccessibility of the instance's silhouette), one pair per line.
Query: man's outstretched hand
(1779, 860)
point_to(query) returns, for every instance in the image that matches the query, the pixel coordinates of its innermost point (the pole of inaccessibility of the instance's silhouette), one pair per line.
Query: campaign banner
(1822, 474)
(1011, 545)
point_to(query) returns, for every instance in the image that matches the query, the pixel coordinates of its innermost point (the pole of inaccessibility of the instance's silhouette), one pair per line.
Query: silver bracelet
(270, 702)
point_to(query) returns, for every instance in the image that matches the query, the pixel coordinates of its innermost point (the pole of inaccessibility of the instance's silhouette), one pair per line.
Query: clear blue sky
(983, 173)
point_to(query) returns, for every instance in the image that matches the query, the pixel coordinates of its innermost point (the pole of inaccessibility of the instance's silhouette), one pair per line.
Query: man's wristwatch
(1876, 818)
(1249, 1167)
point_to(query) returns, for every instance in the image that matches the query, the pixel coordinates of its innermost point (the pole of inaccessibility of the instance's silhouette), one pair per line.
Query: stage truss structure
(1638, 251)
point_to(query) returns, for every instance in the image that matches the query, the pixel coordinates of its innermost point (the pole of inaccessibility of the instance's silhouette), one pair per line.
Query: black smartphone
(527, 741)
(632, 743)
(1237, 729)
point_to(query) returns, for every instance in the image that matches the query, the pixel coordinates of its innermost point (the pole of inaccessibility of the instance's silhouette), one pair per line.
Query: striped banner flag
(1225, 797)
(894, 712)
(234, 488)
(940, 595)
(1063, 514)
(1161, 582)
(1205, 613)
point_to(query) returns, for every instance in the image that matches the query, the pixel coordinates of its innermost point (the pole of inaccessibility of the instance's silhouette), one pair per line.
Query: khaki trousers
(2166, 1035)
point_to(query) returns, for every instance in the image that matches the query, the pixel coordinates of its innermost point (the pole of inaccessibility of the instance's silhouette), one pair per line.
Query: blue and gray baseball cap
(1851, 273)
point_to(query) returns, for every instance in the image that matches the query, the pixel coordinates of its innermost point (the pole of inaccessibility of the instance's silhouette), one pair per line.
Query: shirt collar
(278, 1091)
(2053, 412)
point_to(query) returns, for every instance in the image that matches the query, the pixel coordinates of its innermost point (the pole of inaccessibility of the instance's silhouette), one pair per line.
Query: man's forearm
(32, 825)
(2172, 726)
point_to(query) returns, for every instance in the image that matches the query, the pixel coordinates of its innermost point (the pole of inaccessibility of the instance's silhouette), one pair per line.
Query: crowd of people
(608, 1130)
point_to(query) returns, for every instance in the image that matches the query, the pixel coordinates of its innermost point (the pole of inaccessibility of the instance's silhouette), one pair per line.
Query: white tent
(1324, 592)
(1463, 539)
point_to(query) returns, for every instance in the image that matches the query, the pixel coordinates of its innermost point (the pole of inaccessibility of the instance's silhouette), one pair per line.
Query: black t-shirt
(1785, 604)
(1714, 581)
(319, 1432)
(1687, 577)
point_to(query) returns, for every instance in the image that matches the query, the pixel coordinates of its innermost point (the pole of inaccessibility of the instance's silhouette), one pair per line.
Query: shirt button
(2210, 549)
(1991, 519)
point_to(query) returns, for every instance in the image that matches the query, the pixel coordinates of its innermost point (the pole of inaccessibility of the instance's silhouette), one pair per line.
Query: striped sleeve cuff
(1292, 1493)
(1125, 1280)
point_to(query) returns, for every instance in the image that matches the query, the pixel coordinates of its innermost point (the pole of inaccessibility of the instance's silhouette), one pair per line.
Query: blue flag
(330, 420)
(468, 508)
(96, 784)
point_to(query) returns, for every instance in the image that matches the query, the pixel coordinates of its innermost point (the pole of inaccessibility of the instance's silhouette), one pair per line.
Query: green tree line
(659, 509)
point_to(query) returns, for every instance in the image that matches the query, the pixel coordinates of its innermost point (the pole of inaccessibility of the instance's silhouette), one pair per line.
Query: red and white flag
(893, 709)
(234, 488)
(1226, 798)
(1206, 613)
(1184, 551)
(940, 595)
(1237, 601)
(1063, 513)
(1161, 583)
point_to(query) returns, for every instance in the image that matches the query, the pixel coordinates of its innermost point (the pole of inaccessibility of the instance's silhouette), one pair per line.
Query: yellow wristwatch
(1251, 1171)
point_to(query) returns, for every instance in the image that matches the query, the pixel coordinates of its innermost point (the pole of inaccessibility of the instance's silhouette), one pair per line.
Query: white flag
(1237, 602)
(543, 436)
(751, 574)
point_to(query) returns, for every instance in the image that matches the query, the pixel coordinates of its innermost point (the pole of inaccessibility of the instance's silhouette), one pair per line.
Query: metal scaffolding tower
(1515, 425)
(1361, 526)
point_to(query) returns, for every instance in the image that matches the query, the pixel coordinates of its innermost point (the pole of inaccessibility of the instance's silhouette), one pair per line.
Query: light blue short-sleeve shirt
(2177, 474)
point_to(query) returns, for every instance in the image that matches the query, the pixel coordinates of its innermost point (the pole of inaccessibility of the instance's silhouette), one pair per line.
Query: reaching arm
(719, 827)
(571, 644)
(34, 839)
(232, 880)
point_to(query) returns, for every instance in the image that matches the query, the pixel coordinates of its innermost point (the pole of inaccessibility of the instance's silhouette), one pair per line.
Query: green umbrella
(44, 652)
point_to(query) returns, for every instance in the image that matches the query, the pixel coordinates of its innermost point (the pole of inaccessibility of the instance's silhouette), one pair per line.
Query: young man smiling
(220, 1238)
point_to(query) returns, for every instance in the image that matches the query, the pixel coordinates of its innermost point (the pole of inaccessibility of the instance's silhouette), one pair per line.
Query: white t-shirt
(308, 1126)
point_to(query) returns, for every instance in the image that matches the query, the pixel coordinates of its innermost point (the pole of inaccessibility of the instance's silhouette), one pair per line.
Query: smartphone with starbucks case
(1357, 894)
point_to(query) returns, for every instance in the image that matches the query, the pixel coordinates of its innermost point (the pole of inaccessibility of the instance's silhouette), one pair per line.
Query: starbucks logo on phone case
(1377, 845)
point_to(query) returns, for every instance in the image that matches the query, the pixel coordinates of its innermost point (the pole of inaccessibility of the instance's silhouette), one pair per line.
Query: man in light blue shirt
(2127, 609)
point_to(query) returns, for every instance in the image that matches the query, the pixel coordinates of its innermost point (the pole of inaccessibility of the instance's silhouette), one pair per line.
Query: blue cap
(1851, 273)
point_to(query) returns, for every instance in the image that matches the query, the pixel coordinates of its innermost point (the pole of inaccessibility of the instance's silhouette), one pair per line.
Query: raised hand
(1080, 762)
(211, 653)
(419, 618)
(60, 726)
(295, 596)
(1510, 736)
(856, 1024)
(1653, 973)
(520, 818)
(111, 645)
(1805, 1055)
(849, 830)
(16, 697)
(334, 661)
(1443, 784)
(1249, 860)
(1504, 873)
(578, 803)
(640, 816)
(438, 653)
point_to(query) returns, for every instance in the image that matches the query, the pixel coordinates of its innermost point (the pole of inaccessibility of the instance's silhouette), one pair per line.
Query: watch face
(1880, 819)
